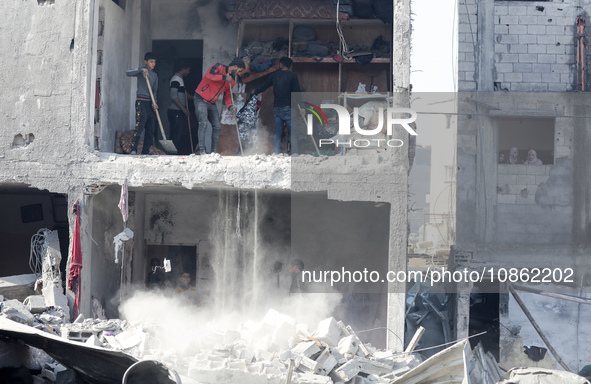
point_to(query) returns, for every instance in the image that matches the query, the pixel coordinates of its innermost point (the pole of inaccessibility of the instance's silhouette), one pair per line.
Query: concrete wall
(46, 75)
(533, 44)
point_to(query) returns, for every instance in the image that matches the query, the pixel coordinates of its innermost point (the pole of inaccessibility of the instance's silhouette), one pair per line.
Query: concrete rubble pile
(278, 348)
(260, 352)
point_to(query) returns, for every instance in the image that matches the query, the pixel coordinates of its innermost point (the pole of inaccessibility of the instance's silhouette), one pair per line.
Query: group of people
(157, 279)
(532, 157)
(217, 81)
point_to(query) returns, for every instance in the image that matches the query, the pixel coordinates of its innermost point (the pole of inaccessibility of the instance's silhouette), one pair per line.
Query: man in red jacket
(217, 80)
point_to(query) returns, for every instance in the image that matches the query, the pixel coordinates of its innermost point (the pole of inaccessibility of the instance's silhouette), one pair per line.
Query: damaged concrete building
(522, 79)
(225, 220)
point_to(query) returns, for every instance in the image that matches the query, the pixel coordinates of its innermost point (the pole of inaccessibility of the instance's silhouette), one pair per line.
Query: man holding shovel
(178, 111)
(217, 80)
(145, 116)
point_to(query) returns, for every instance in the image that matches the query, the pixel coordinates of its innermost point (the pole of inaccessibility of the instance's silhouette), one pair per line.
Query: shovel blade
(168, 146)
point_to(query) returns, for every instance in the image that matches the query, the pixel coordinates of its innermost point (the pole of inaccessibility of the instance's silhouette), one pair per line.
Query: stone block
(499, 48)
(337, 355)
(16, 311)
(558, 87)
(501, 10)
(527, 179)
(565, 59)
(559, 68)
(565, 77)
(306, 348)
(349, 370)
(534, 10)
(506, 199)
(517, 189)
(529, 199)
(525, 19)
(328, 332)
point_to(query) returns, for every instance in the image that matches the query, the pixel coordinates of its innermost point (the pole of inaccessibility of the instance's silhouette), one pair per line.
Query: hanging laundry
(123, 207)
(74, 282)
(247, 120)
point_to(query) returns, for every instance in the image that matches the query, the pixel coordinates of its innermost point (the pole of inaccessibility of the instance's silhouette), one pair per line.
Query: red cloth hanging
(75, 261)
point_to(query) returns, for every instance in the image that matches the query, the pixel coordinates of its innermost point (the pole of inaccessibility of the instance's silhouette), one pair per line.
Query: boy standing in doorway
(144, 109)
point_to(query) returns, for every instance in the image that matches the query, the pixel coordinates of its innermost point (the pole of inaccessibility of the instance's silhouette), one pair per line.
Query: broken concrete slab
(17, 287)
(17, 311)
(306, 349)
(35, 304)
(541, 376)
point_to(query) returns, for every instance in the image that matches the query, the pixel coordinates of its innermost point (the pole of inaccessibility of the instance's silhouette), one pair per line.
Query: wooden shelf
(375, 60)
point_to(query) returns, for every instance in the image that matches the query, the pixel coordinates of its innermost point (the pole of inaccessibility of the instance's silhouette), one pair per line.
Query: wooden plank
(261, 74)
(415, 340)
(538, 329)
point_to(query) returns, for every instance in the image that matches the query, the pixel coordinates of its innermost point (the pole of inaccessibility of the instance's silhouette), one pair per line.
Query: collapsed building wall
(515, 215)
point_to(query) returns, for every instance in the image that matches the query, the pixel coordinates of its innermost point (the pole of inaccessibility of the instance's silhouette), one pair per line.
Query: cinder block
(371, 367)
(565, 59)
(500, 48)
(565, 77)
(528, 58)
(504, 67)
(327, 362)
(523, 67)
(505, 178)
(466, 47)
(501, 10)
(536, 29)
(509, 19)
(538, 87)
(534, 10)
(517, 9)
(517, 189)
(558, 68)
(556, 29)
(527, 39)
(501, 29)
(16, 311)
(546, 39)
(535, 169)
(502, 169)
(551, 77)
(563, 20)
(517, 48)
(527, 19)
(507, 39)
(532, 188)
(306, 348)
(536, 48)
(556, 49)
(508, 57)
(348, 345)
(328, 332)
(529, 199)
(548, 59)
(308, 378)
(306, 364)
(532, 77)
(558, 87)
(517, 29)
(506, 199)
(516, 169)
(349, 370)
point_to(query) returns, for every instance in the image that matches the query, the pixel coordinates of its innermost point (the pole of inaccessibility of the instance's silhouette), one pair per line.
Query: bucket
(150, 371)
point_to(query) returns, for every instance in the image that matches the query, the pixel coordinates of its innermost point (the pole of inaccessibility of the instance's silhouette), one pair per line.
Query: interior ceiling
(21, 189)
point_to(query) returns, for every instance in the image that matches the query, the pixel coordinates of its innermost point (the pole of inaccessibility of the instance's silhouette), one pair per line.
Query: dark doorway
(484, 317)
(182, 259)
(169, 52)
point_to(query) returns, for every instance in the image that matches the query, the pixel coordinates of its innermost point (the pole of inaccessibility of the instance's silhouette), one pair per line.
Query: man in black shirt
(284, 82)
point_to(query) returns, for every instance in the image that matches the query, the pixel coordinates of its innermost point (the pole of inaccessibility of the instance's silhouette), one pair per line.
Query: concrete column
(398, 213)
(485, 46)
(486, 178)
(401, 46)
(582, 187)
(463, 310)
